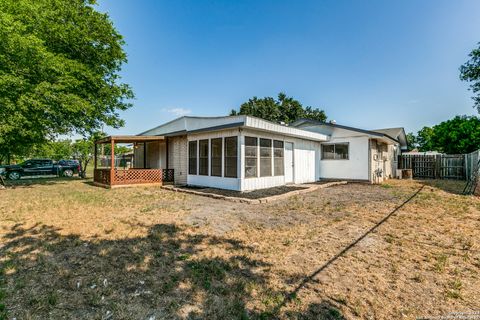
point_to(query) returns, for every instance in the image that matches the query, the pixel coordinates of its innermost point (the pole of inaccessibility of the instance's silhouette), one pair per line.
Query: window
(265, 157)
(338, 151)
(231, 157)
(251, 144)
(192, 157)
(216, 157)
(203, 157)
(278, 165)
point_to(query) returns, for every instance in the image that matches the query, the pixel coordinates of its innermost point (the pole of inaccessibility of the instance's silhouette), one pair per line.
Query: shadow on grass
(165, 274)
(450, 186)
(32, 181)
(321, 311)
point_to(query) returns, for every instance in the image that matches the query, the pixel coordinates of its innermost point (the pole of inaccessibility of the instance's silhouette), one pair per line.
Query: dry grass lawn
(69, 250)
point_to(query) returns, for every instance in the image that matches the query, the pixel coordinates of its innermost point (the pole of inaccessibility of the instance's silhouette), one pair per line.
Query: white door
(289, 162)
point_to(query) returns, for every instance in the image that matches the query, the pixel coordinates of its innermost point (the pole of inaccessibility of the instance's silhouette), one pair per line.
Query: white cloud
(178, 112)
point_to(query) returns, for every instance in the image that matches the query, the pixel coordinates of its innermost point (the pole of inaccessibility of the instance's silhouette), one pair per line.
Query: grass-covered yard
(69, 250)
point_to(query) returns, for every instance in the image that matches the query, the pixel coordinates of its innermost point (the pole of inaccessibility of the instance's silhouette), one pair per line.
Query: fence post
(413, 166)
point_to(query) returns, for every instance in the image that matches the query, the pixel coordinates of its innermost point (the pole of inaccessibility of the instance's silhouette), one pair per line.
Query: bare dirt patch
(255, 194)
(71, 250)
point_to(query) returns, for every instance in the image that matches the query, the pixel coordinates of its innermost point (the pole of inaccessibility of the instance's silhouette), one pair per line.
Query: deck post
(94, 156)
(112, 162)
(166, 151)
(144, 155)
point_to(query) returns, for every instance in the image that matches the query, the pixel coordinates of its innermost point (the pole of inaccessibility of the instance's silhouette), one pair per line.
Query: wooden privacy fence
(471, 163)
(441, 166)
(472, 170)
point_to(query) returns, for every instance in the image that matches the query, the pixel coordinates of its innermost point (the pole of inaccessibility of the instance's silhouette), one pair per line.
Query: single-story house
(246, 153)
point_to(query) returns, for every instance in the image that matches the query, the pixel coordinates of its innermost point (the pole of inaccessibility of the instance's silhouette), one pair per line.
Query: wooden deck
(111, 178)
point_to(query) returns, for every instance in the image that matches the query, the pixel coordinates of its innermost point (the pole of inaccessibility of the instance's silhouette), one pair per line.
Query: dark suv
(40, 167)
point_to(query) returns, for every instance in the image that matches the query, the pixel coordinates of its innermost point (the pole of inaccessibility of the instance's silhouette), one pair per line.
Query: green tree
(56, 150)
(424, 140)
(59, 72)
(284, 109)
(456, 136)
(83, 150)
(470, 72)
(411, 141)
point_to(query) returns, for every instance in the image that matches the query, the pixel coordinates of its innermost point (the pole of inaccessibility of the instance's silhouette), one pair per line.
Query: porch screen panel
(192, 157)
(203, 157)
(216, 157)
(231, 147)
(278, 162)
(265, 157)
(251, 157)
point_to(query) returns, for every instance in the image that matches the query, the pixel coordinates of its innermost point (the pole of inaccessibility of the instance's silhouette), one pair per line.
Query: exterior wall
(392, 163)
(357, 165)
(178, 158)
(211, 181)
(305, 153)
(383, 161)
(304, 157)
(367, 155)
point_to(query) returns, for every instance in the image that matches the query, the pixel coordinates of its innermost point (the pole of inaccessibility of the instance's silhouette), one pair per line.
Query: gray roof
(396, 133)
(335, 125)
(189, 125)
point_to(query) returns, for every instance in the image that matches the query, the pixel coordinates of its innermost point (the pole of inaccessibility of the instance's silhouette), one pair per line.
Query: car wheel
(68, 173)
(14, 175)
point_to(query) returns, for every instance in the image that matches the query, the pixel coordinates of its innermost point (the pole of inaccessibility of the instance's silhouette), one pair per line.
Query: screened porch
(131, 160)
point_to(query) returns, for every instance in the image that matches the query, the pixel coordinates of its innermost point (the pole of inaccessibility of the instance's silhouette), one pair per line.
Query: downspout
(370, 177)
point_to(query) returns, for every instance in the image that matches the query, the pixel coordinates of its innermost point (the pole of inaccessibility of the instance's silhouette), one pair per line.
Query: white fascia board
(263, 125)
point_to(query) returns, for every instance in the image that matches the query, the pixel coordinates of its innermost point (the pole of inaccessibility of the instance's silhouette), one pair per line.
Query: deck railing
(168, 175)
(116, 177)
(102, 176)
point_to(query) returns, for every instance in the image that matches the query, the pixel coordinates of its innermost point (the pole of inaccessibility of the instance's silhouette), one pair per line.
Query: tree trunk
(83, 166)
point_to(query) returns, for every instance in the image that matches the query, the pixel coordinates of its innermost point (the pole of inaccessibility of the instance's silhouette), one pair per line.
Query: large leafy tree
(283, 109)
(59, 72)
(470, 72)
(56, 150)
(411, 141)
(424, 140)
(458, 135)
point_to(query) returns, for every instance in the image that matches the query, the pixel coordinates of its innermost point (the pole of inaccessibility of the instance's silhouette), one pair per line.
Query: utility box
(404, 173)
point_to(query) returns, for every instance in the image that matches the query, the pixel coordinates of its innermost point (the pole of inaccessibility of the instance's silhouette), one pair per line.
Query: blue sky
(368, 64)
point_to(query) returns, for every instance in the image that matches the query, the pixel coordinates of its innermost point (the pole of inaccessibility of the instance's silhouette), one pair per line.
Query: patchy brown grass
(71, 250)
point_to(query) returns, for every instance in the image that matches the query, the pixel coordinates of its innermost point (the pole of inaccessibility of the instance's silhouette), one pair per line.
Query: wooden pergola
(114, 177)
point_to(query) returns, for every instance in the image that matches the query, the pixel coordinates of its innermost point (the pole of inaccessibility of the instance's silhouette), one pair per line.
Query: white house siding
(362, 162)
(211, 181)
(392, 161)
(305, 168)
(357, 165)
(178, 158)
(383, 159)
